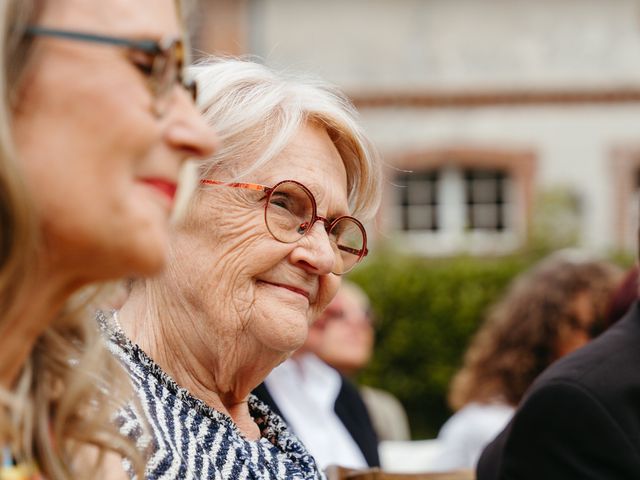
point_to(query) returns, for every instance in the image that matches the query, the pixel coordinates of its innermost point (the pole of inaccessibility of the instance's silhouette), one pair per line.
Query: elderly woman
(257, 257)
(83, 200)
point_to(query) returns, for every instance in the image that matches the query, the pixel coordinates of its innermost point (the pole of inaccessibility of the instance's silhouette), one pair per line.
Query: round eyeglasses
(290, 211)
(162, 62)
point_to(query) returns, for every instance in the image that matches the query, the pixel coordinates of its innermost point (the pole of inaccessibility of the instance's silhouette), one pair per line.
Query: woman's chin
(283, 331)
(142, 259)
(149, 251)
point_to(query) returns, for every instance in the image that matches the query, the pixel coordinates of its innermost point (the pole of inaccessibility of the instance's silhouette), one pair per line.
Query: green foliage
(557, 220)
(426, 311)
(623, 259)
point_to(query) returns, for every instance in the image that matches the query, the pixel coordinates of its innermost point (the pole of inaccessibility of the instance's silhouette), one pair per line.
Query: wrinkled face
(343, 335)
(248, 282)
(100, 164)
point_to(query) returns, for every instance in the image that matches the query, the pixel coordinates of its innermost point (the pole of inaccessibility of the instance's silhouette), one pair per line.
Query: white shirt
(463, 437)
(305, 389)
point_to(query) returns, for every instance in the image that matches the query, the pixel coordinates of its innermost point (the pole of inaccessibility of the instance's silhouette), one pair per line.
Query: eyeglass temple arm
(149, 46)
(353, 251)
(249, 186)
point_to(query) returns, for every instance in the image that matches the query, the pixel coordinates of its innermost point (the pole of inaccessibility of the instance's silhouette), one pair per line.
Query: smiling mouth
(166, 187)
(291, 288)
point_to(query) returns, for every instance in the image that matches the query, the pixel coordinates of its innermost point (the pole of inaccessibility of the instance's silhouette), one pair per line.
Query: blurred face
(245, 280)
(343, 335)
(100, 163)
(575, 336)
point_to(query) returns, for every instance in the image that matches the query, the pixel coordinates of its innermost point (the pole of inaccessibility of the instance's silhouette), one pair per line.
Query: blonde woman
(95, 122)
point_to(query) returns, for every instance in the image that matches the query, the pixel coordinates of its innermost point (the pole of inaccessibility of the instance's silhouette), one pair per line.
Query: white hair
(256, 112)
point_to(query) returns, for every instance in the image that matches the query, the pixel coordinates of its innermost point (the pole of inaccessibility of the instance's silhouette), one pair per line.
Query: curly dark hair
(521, 334)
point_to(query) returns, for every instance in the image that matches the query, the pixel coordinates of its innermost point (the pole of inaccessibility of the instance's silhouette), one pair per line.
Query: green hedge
(426, 311)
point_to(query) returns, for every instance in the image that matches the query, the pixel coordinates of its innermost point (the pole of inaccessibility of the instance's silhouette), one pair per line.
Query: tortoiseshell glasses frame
(164, 67)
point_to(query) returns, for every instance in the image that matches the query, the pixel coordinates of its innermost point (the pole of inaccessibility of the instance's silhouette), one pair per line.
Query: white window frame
(453, 236)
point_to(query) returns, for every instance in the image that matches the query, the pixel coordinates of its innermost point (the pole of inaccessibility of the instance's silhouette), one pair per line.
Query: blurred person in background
(313, 394)
(549, 311)
(344, 339)
(256, 258)
(580, 419)
(624, 296)
(96, 121)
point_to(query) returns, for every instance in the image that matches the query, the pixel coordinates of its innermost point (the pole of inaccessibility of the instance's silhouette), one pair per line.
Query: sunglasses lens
(347, 238)
(289, 212)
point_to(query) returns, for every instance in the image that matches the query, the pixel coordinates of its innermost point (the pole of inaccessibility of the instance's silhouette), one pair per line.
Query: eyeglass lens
(167, 71)
(167, 59)
(289, 214)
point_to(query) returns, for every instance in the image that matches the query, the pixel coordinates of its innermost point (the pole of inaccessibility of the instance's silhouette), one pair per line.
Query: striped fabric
(187, 439)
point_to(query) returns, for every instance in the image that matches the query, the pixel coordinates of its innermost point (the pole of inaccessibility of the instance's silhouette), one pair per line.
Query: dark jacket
(351, 411)
(581, 417)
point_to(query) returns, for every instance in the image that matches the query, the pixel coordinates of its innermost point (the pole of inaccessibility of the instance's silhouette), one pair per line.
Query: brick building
(482, 108)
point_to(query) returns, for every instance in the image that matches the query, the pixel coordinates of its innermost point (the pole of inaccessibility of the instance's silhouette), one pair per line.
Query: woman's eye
(143, 62)
(282, 201)
(145, 69)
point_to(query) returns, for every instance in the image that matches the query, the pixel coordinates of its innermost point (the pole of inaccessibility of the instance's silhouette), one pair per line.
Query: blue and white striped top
(186, 439)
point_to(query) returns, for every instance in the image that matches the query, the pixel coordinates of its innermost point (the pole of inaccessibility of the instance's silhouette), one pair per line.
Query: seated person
(548, 312)
(321, 405)
(623, 297)
(346, 343)
(580, 420)
(253, 263)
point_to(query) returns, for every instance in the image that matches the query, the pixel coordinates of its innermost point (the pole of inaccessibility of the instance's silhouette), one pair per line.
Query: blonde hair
(68, 388)
(256, 112)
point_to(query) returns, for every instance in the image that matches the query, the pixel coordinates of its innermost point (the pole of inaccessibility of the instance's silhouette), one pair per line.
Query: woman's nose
(314, 252)
(188, 131)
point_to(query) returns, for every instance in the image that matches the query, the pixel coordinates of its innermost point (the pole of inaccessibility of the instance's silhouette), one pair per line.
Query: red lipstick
(164, 186)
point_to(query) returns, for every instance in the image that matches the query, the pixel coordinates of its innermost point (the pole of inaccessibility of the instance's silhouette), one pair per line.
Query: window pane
(419, 200)
(484, 190)
(485, 217)
(486, 194)
(420, 218)
(420, 192)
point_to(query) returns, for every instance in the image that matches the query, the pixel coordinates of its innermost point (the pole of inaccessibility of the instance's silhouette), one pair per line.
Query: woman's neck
(36, 309)
(212, 366)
